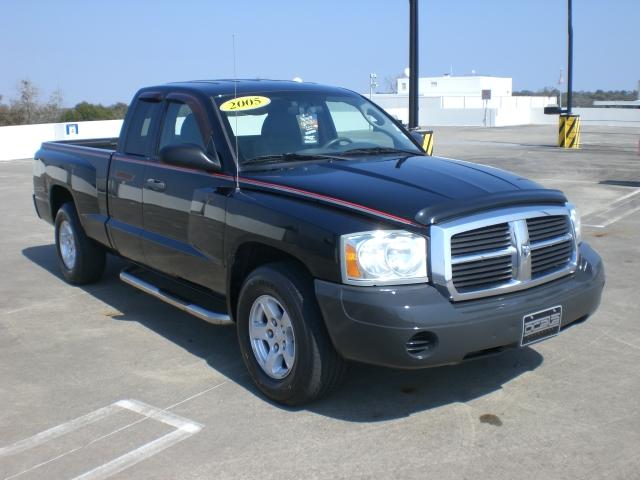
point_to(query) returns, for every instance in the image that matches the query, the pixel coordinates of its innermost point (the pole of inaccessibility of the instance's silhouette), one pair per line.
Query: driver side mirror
(417, 136)
(189, 155)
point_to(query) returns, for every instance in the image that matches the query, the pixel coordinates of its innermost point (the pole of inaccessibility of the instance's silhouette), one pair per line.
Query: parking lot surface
(106, 382)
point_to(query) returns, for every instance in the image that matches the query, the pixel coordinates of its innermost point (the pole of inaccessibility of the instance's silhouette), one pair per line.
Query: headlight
(575, 220)
(383, 257)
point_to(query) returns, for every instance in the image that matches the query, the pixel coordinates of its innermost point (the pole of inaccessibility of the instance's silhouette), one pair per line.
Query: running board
(191, 308)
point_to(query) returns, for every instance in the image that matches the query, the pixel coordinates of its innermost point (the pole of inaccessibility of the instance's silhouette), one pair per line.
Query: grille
(513, 249)
(547, 259)
(493, 237)
(482, 273)
(544, 228)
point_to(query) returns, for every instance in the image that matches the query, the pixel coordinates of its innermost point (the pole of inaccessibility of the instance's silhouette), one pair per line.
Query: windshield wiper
(280, 157)
(374, 150)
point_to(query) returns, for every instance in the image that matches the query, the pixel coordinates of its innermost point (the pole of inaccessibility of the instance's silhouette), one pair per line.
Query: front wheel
(283, 340)
(81, 260)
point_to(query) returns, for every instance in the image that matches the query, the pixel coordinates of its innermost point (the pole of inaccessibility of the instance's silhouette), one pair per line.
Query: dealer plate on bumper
(540, 325)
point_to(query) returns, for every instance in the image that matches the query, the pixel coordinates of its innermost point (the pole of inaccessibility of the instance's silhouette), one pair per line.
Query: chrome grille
(492, 237)
(551, 243)
(542, 228)
(552, 257)
(482, 273)
(502, 251)
(471, 272)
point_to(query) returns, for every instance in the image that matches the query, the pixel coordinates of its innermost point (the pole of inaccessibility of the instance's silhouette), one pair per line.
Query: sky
(104, 51)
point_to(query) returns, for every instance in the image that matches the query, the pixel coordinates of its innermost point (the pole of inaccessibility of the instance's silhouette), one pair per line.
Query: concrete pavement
(71, 358)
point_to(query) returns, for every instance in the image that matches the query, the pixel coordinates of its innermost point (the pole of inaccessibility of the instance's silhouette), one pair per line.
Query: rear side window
(141, 129)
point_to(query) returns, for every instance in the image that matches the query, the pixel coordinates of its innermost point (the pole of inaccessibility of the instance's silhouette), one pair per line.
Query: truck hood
(398, 186)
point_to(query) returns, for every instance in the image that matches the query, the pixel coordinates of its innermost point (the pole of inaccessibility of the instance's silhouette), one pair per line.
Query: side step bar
(195, 310)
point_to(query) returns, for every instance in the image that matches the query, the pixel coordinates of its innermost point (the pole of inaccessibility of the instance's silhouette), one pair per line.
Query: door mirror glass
(425, 139)
(182, 142)
(189, 155)
(417, 136)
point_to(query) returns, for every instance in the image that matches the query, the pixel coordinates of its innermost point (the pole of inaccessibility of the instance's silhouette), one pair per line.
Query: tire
(81, 260)
(316, 368)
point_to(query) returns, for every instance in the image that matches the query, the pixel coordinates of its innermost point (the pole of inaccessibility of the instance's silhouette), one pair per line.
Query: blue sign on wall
(72, 128)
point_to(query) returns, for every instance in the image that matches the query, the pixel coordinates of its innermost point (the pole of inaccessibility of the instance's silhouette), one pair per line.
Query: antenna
(235, 95)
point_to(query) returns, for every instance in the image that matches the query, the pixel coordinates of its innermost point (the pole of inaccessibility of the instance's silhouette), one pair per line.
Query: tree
(27, 105)
(85, 111)
(583, 98)
(119, 110)
(52, 111)
(4, 113)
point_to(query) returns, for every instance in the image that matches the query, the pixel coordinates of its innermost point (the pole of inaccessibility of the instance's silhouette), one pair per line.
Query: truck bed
(80, 167)
(101, 143)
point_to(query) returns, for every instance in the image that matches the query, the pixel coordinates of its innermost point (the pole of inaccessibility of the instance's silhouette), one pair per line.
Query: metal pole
(560, 82)
(413, 63)
(570, 59)
(372, 84)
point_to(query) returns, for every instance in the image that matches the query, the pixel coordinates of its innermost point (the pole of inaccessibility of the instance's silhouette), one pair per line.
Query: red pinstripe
(283, 188)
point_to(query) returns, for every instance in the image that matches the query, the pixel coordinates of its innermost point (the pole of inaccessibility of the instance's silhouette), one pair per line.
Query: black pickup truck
(314, 221)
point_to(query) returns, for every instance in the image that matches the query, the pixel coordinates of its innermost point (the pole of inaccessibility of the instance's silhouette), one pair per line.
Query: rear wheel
(282, 336)
(81, 260)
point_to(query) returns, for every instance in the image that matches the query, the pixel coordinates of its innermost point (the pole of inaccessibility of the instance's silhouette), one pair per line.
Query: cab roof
(244, 86)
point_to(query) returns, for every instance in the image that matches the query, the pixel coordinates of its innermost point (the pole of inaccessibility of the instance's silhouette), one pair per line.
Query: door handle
(157, 185)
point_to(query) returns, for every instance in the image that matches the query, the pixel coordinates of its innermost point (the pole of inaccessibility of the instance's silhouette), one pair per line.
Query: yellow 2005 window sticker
(244, 103)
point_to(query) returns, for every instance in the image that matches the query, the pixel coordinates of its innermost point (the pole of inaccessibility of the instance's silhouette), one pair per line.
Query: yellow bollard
(569, 131)
(561, 124)
(427, 142)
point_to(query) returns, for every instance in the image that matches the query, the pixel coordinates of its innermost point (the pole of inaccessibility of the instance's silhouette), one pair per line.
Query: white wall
(620, 117)
(468, 110)
(22, 141)
(501, 111)
(447, 85)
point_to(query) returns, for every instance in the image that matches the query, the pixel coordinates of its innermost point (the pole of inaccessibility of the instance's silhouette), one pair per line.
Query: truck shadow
(367, 393)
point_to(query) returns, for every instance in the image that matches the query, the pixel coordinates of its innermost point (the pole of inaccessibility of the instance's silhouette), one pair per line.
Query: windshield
(287, 126)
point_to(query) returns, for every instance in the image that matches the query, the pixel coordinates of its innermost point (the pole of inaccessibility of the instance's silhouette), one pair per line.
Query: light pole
(372, 83)
(570, 55)
(560, 83)
(413, 63)
(569, 127)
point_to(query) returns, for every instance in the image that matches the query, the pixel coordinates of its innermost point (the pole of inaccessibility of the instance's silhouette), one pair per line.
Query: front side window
(293, 124)
(180, 126)
(353, 124)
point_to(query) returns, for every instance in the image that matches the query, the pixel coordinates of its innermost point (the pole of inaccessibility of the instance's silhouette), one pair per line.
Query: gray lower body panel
(373, 324)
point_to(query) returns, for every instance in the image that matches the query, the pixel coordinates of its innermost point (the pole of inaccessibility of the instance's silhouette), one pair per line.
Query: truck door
(183, 208)
(126, 177)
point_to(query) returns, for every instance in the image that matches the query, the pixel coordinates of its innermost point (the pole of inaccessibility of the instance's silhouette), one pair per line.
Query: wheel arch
(249, 256)
(58, 196)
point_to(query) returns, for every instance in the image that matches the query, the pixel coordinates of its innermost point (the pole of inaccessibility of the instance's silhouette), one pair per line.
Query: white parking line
(184, 428)
(127, 460)
(615, 211)
(58, 431)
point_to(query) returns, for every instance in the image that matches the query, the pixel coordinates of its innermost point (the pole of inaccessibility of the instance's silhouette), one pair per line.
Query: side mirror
(189, 155)
(425, 139)
(417, 136)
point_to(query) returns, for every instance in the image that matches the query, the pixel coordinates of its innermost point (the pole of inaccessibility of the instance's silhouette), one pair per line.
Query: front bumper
(373, 324)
